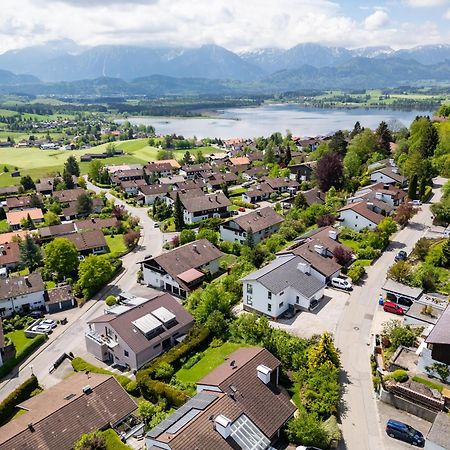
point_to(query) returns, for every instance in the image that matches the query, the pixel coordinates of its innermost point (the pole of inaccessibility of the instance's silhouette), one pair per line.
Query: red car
(242, 209)
(393, 308)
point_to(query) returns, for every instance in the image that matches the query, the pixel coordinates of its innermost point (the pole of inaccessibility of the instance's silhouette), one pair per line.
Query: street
(70, 338)
(360, 424)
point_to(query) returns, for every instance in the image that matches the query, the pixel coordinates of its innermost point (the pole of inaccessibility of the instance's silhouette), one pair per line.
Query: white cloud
(234, 24)
(425, 3)
(447, 14)
(377, 20)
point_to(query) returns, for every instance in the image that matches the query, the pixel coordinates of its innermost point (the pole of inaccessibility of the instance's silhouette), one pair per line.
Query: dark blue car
(403, 432)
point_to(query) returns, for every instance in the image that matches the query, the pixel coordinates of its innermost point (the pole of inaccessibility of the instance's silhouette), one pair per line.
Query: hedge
(80, 365)
(155, 390)
(19, 395)
(243, 204)
(427, 194)
(20, 356)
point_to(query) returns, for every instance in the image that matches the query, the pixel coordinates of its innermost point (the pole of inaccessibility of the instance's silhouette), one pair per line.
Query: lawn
(116, 244)
(213, 357)
(227, 260)
(113, 441)
(4, 227)
(431, 384)
(19, 340)
(349, 243)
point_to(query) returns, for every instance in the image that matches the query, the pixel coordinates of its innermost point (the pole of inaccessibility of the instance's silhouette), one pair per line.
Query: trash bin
(380, 300)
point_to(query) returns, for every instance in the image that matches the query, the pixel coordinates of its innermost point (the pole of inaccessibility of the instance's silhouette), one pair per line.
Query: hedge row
(427, 194)
(23, 354)
(19, 395)
(154, 390)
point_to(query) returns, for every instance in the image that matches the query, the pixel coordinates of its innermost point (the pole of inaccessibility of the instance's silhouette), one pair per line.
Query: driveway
(359, 416)
(70, 338)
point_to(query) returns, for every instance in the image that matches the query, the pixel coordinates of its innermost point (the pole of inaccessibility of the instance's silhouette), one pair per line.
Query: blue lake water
(267, 119)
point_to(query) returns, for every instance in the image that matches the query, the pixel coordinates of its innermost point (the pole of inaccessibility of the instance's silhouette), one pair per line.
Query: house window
(249, 289)
(281, 305)
(126, 353)
(157, 345)
(281, 293)
(297, 299)
(269, 295)
(269, 307)
(249, 300)
(356, 217)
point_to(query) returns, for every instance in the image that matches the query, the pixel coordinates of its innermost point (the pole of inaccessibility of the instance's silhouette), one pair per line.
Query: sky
(239, 25)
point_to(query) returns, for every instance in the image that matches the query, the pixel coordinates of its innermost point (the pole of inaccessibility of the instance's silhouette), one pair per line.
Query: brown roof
(440, 334)
(193, 255)
(155, 189)
(276, 183)
(16, 286)
(254, 171)
(259, 189)
(18, 202)
(189, 185)
(9, 253)
(173, 162)
(68, 195)
(128, 173)
(87, 240)
(363, 209)
(15, 217)
(314, 196)
(132, 183)
(218, 178)
(240, 161)
(160, 166)
(192, 193)
(96, 224)
(197, 168)
(135, 339)
(323, 235)
(61, 414)
(12, 236)
(59, 294)
(391, 174)
(259, 220)
(56, 230)
(205, 203)
(9, 190)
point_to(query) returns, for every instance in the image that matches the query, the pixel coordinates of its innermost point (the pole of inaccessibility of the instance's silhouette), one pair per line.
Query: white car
(302, 447)
(51, 323)
(42, 329)
(341, 283)
(416, 203)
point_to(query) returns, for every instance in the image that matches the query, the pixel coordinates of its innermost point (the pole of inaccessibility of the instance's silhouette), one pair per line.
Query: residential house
(304, 171)
(360, 215)
(9, 190)
(240, 163)
(436, 347)
(172, 180)
(57, 417)
(189, 185)
(216, 180)
(45, 186)
(194, 171)
(380, 192)
(132, 187)
(69, 195)
(21, 294)
(193, 193)
(2, 344)
(183, 269)
(308, 145)
(151, 192)
(88, 242)
(218, 158)
(134, 333)
(239, 405)
(9, 255)
(282, 185)
(286, 283)
(54, 231)
(96, 224)
(257, 193)
(262, 222)
(314, 196)
(126, 175)
(25, 202)
(388, 175)
(196, 209)
(159, 169)
(60, 299)
(14, 218)
(255, 173)
(12, 236)
(255, 156)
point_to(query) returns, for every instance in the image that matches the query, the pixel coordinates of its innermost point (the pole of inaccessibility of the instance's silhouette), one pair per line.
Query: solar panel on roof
(147, 323)
(163, 314)
(183, 421)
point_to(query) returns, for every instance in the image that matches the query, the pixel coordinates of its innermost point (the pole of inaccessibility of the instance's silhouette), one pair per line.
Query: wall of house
(355, 221)
(150, 199)
(212, 266)
(35, 300)
(378, 177)
(95, 348)
(156, 279)
(238, 235)
(426, 359)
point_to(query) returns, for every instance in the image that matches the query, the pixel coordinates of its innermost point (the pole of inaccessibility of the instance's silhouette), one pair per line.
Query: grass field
(212, 358)
(40, 163)
(4, 227)
(116, 244)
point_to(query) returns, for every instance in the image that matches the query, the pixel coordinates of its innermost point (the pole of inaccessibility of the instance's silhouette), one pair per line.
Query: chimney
(304, 267)
(379, 195)
(87, 389)
(370, 205)
(223, 426)
(263, 373)
(320, 249)
(386, 186)
(31, 427)
(395, 169)
(332, 234)
(194, 247)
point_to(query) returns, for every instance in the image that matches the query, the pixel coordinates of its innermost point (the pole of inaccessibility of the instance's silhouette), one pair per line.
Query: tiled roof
(205, 203)
(96, 224)
(314, 196)
(87, 240)
(15, 217)
(192, 193)
(197, 168)
(154, 189)
(240, 161)
(56, 230)
(13, 235)
(132, 183)
(258, 220)
(9, 253)
(161, 166)
(9, 190)
(16, 286)
(258, 190)
(59, 294)
(56, 418)
(189, 185)
(440, 334)
(18, 202)
(391, 174)
(363, 209)
(68, 195)
(277, 183)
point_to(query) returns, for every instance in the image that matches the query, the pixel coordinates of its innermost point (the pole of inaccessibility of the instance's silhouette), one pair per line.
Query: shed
(401, 290)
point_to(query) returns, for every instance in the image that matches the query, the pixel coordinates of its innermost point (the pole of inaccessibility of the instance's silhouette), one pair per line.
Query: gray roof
(402, 289)
(283, 273)
(439, 433)
(440, 334)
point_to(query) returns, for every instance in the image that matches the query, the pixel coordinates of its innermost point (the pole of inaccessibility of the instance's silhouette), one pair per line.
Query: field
(40, 163)
(116, 244)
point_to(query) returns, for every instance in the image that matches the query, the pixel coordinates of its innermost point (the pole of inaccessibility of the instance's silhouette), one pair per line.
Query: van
(403, 432)
(340, 283)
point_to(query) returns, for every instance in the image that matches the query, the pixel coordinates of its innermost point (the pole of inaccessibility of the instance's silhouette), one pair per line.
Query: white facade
(190, 218)
(379, 177)
(425, 359)
(9, 306)
(233, 233)
(150, 199)
(355, 221)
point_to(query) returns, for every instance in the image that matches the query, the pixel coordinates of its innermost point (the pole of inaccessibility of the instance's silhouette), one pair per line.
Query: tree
(178, 213)
(93, 273)
(91, 441)
(30, 253)
(326, 220)
(187, 158)
(269, 155)
(27, 223)
(68, 180)
(352, 164)
(423, 136)
(384, 138)
(365, 144)
(300, 201)
(249, 239)
(422, 248)
(84, 204)
(356, 130)
(27, 183)
(338, 143)
(401, 271)
(388, 226)
(323, 353)
(412, 188)
(61, 258)
(329, 172)
(119, 212)
(96, 171)
(2, 213)
(81, 182)
(131, 238)
(71, 166)
(187, 236)
(224, 188)
(307, 429)
(200, 159)
(404, 214)
(50, 218)
(211, 235)
(342, 255)
(446, 254)
(110, 300)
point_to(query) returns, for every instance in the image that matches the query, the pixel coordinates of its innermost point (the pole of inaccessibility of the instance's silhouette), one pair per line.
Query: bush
(356, 272)
(164, 372)
(427, 194)
(398, 375)
(193, 360)
(111, 300)
(368, 253)
(307, 429)
(19, 395)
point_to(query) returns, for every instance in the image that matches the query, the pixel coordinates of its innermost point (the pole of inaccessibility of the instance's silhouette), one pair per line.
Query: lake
(267, 119)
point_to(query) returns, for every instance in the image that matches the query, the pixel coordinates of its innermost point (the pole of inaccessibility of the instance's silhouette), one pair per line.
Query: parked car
(242, 209)
(51, 323)
(341, 283)
(393, 308)
(415, 203)
(403, 432)
(36, 314)
(401, 256)
(156, 225)
(42, 329)
(302, 447)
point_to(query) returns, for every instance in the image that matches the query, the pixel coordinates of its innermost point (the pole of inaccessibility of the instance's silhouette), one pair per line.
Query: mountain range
(58, 66)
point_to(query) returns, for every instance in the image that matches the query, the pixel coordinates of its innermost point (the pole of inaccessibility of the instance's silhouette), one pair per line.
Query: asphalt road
(360, 424)
(70, 338)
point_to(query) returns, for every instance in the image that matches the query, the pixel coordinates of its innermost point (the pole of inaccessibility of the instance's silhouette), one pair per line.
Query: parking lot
(324, 318)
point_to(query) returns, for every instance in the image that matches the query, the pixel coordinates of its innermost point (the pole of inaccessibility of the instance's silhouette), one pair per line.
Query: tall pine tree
(30, 253)
(178, 214)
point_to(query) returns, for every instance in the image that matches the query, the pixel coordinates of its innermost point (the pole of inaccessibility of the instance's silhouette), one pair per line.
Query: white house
(389, 175)
(151, 192)
(359, 215)
(182, 269)
(262, 222)
(286, 283)
(204, 207)
(21, 294)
